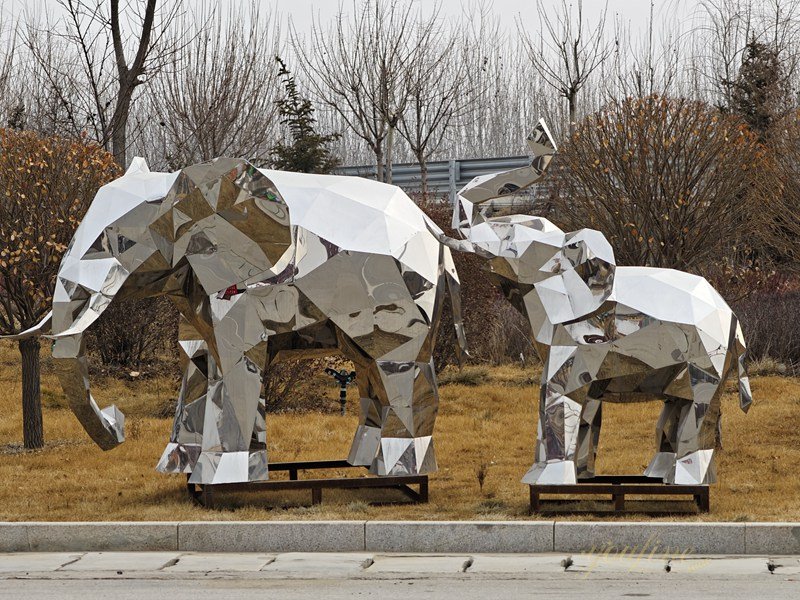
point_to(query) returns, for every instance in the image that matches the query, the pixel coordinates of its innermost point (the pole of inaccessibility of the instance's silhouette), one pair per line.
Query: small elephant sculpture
(602, 331)
(263, 265)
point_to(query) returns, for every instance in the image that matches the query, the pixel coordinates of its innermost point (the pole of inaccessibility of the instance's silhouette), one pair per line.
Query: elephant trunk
(484, 188)
(73, 313)
(106, 426)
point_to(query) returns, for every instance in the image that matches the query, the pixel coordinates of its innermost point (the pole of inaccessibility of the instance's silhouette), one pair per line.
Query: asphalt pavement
(223, 576)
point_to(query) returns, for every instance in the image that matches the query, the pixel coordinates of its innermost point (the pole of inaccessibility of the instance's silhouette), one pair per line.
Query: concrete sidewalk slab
(512, 563)
(220, 562)
(459, 536)
(787, 565)
(772, 538)
(100, 536)
(122, 561)
(646, 538)
(271, 536)
(419, 564)
(35, 562)
(720, 566)
(603, 563)
(320, 563)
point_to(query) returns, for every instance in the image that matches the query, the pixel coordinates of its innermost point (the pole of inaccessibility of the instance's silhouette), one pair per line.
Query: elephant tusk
(41, 328)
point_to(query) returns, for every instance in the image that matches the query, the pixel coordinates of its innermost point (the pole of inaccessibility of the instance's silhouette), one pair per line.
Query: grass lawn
(489, 428)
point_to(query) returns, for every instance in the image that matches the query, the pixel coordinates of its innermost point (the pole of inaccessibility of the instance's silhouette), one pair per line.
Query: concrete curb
(641, 538)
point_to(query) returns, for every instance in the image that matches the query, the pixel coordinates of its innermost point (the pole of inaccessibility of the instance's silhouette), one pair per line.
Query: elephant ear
(584, 277)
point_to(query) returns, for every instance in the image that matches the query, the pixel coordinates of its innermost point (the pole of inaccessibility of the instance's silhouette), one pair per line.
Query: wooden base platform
(205, 494)
(618, 486)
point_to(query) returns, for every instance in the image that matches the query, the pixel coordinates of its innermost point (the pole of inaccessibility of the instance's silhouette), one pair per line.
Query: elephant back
(228, 221)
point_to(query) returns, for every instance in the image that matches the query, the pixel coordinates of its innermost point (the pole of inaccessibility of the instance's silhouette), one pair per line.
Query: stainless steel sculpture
(603, 330)
(262, 265)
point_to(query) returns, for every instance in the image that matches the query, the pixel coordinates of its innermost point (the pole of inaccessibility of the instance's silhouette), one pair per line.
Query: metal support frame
(205, 494)
(618, 486)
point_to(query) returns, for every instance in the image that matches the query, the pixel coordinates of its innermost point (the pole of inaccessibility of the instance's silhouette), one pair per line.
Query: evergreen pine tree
(308, 150)
(759, 94)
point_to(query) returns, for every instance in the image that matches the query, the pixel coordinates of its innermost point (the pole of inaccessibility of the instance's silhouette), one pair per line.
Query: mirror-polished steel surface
(263, 265)
(603, 331)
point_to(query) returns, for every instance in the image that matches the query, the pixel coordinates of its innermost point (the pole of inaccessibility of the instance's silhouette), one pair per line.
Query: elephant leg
(233, 433)
(233, 426)
(185, 439)
(399, 403)
(588, 437)
(662, 465)
(697, 431)
(367, 440)
(390, 338)
(557, 439)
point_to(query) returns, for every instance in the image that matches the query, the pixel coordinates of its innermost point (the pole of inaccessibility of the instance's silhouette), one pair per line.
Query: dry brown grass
(487, 429)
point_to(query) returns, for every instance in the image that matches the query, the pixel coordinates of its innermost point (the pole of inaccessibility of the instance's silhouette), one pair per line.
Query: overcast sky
(634, 12)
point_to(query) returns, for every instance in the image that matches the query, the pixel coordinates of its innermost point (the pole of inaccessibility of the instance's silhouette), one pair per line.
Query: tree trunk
(32, 430)
(571, 101)
(119, 143)
(379, 163)
(119, 123)
(389, 144)
(423, 180)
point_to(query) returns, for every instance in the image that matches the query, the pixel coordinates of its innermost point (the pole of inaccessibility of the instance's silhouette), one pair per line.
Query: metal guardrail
(449, 176)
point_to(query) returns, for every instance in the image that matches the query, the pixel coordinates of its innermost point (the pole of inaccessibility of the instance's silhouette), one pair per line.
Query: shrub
(671, 182)
(46, 185)
(771, 327)
(137, 334)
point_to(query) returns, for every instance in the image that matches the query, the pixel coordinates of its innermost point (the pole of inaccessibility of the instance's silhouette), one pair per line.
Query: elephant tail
(454, 289)
(739, 351)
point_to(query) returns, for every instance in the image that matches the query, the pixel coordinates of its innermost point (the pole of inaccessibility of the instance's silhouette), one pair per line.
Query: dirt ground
(485, 431)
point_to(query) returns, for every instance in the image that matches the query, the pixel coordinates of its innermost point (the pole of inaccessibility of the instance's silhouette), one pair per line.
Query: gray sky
(634, 12)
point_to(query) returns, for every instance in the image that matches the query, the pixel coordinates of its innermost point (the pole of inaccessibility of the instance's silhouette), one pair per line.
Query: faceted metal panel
(264, 265)
(603, 331)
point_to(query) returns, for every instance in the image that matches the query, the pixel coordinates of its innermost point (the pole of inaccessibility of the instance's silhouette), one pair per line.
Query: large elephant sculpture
(602, 331)
(263, 265)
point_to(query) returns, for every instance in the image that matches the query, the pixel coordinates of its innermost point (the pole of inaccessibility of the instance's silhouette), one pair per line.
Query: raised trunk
(32, 430)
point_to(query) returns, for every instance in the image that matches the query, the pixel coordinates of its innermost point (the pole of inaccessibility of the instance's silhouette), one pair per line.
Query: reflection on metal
(263, 265)
(602, 331)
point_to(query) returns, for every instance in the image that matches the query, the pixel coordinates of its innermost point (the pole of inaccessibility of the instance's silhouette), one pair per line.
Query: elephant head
(552, 276)
(148, 234)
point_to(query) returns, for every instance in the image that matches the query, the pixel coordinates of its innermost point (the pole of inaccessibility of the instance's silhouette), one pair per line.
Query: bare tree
(437, 93)
(569, 51)
(220, 95)
(357, 69)
(724, 31)
(85, 59)
(649, 63)
(9, 105)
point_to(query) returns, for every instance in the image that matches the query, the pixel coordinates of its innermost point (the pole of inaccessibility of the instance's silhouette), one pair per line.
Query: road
(349, 576)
